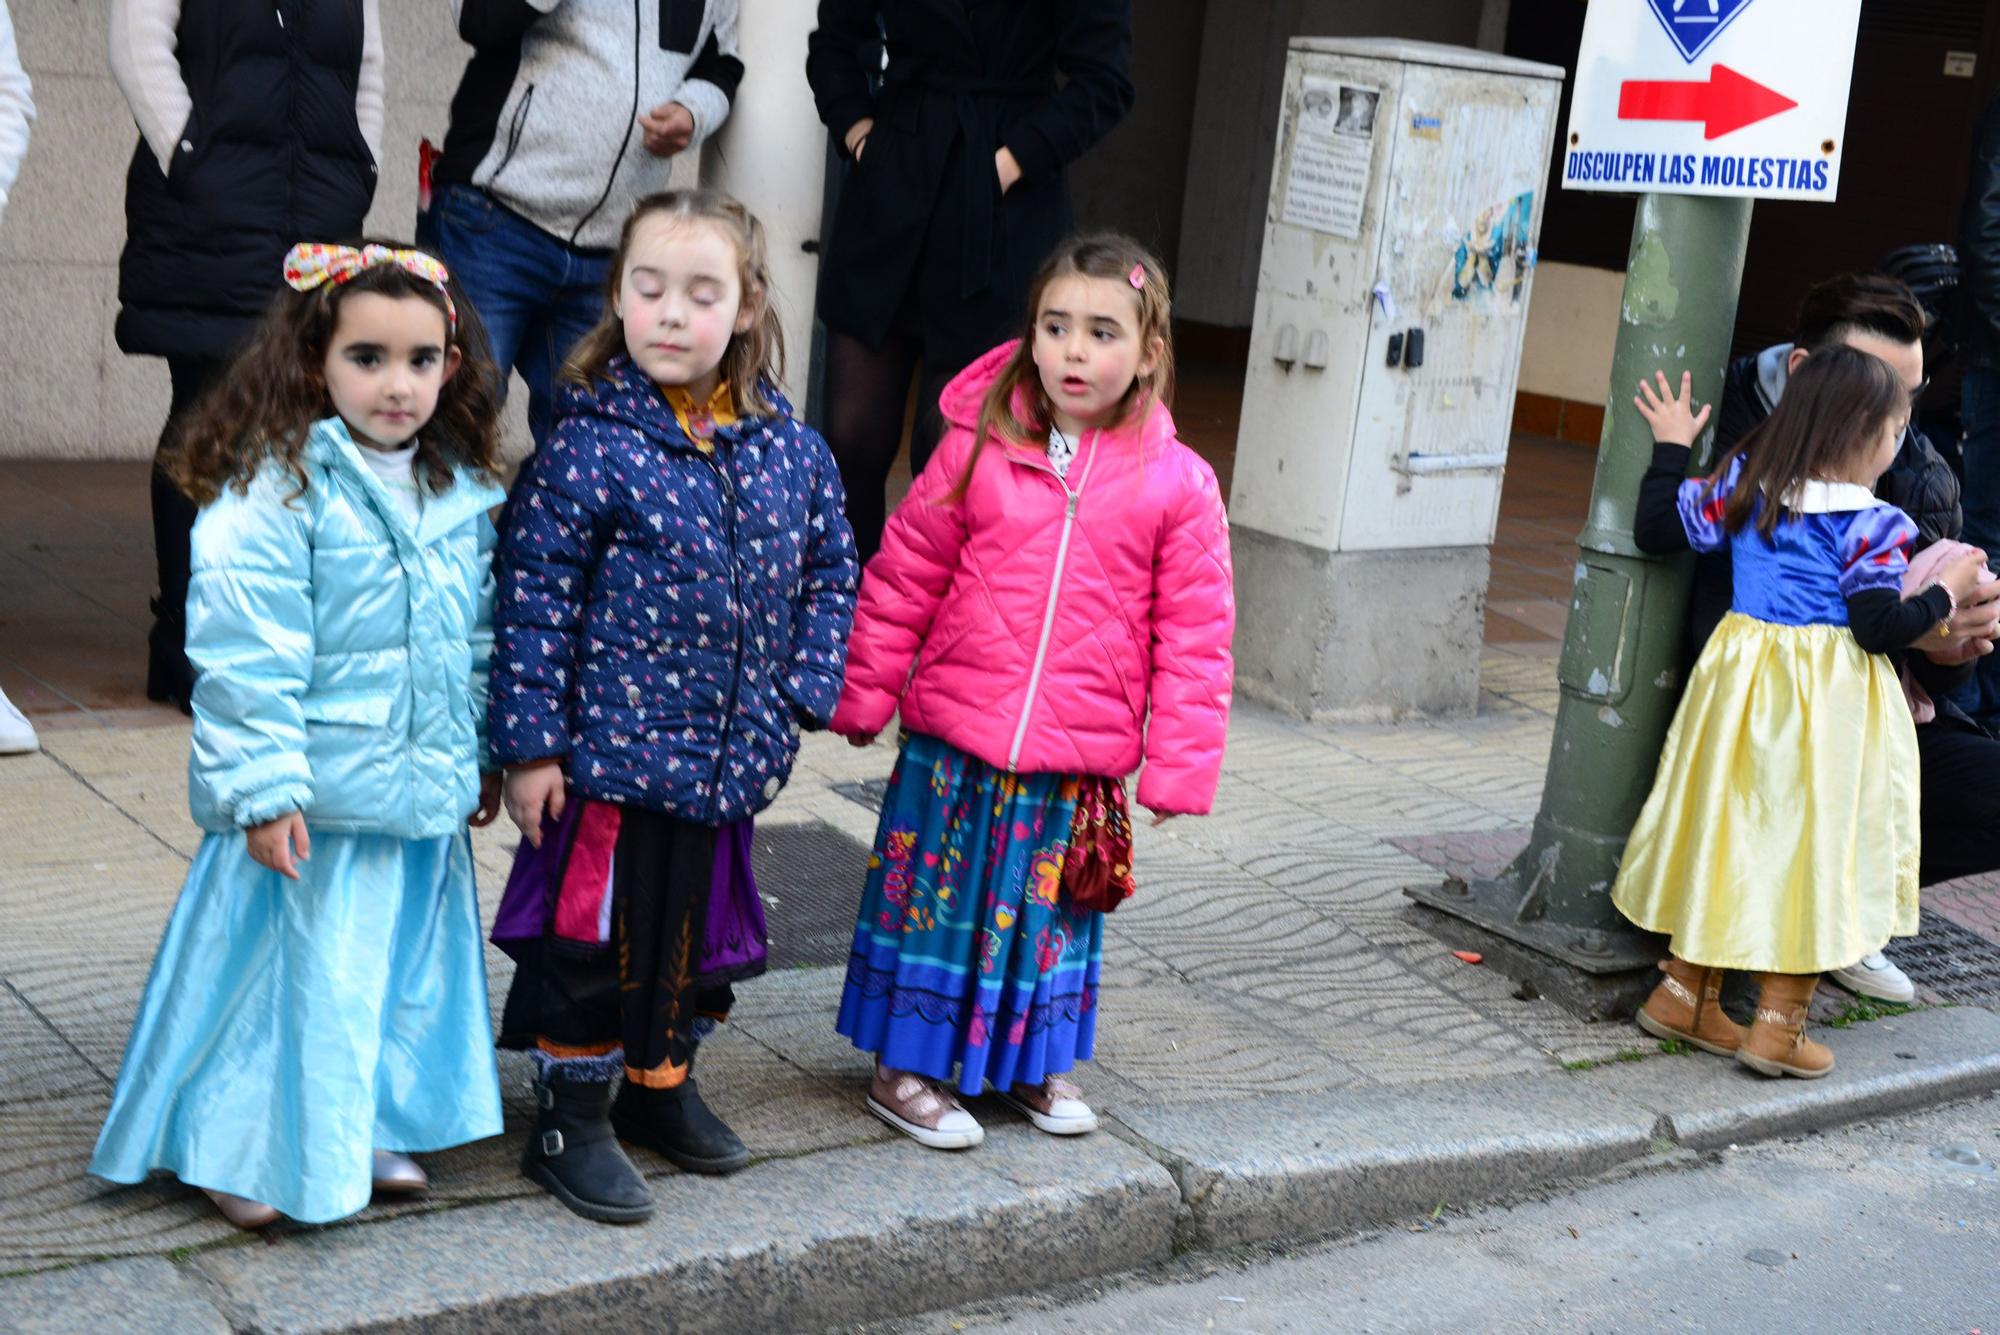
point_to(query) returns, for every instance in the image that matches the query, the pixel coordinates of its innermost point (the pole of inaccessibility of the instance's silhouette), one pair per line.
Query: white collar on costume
(1817, 496)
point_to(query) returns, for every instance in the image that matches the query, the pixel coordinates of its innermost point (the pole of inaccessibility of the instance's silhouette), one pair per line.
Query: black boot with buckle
(572, 1154)
(678, 1125)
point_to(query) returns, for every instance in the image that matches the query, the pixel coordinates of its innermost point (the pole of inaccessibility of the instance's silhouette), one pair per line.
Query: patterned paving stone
(1269, 950)
(1468, 854)
(40, 1063)
(1973, 903)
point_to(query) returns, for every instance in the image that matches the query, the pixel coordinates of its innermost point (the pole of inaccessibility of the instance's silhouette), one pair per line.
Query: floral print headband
(312, 264)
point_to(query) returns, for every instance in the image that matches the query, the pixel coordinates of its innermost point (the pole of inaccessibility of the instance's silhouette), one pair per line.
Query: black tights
(168, 676)
(866, 393)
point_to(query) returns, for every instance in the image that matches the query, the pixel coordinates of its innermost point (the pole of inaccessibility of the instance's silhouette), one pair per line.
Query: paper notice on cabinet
(1331, 153)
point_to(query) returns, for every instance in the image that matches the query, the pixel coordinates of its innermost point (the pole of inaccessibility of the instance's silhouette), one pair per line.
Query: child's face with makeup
(681, 298)
(386, 362)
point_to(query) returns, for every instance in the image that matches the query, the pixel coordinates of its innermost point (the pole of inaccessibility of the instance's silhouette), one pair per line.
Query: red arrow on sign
(1726, 103)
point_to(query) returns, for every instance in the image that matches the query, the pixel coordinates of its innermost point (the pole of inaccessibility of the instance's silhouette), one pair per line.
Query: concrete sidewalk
(1283, 1052)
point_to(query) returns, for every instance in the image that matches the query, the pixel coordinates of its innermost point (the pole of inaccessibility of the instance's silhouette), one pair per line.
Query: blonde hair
(1108, 255)
(753, 364)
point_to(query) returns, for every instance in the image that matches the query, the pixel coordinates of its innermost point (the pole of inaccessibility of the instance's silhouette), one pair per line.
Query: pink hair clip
(1137, 278)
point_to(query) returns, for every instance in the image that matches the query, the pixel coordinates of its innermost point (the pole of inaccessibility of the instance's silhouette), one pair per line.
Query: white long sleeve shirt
(148, 72)
(17, 107)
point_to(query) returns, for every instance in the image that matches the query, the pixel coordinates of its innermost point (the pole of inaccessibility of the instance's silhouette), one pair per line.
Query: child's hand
(535, 792)
(1961, 575)
(862, 739)
(272, 842)
(489, 800)
(1160, 817)
(1673, 418)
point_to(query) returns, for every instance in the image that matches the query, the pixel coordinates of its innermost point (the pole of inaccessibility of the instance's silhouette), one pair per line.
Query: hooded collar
(332, 445)
(1774, 370)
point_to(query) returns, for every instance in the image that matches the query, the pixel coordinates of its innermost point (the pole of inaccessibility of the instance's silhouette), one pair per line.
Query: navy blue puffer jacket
(668, 619)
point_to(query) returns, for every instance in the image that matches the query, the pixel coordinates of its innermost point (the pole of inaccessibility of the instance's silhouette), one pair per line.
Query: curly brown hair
(754, 361)
(265, 405)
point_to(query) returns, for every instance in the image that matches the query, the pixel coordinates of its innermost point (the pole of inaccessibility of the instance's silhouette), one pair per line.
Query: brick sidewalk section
(1269, 952)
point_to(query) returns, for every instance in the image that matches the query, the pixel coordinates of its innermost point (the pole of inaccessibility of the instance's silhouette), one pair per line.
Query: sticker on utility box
(1499, 237)
(1712, 97)
(1331, 152)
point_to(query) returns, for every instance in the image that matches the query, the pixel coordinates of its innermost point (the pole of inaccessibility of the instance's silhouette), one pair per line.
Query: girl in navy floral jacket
(676, 589)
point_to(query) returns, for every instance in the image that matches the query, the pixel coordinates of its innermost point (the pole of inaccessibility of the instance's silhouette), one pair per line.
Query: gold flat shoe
(398, 1174)
(241, 1211)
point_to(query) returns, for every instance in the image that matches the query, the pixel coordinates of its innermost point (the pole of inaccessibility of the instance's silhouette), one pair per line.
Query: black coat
(1919, 483)
(1979, 245)
(272, 155)
(922, 231)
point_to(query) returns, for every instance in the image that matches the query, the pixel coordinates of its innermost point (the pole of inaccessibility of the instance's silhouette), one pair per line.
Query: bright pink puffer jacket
(1046, 621)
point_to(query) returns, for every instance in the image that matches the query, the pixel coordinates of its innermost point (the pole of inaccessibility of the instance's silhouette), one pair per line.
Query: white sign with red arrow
(1712, 97)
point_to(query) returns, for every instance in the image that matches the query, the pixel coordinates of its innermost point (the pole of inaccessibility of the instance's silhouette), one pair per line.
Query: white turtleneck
(397, 470)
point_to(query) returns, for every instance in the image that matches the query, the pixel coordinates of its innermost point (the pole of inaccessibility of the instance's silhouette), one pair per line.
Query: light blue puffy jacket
(342, 654)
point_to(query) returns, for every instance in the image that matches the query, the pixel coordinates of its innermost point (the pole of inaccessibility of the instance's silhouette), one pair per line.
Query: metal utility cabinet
(1399, 255)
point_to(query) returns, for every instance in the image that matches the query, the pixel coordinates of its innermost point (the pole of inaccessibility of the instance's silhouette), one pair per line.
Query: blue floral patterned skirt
(966, 954)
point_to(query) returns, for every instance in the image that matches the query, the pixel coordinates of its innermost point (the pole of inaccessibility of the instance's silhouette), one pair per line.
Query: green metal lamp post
(1620, 668)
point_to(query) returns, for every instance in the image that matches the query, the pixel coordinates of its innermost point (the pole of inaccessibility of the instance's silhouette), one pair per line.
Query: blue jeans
(1979, 407)
(536, 296)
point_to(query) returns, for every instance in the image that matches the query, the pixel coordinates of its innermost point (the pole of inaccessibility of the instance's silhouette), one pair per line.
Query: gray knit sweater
(545, 119)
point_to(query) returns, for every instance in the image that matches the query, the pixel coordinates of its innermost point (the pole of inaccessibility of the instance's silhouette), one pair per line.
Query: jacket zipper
(514, 129)
(630, 120)
(1074, 495)
(721, 467)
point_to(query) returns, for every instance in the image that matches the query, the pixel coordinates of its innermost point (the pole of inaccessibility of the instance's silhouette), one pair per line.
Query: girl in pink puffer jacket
(1050, 606)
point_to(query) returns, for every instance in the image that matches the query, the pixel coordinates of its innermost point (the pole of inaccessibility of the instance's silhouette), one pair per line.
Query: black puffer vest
(272, 155)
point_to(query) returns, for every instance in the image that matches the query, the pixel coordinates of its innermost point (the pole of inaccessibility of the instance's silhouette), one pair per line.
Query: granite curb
(887, 1230)
(1311, 1166)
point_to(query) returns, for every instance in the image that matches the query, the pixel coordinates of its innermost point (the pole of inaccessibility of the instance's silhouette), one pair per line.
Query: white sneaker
(1055, 1106)
(17, 735)
(923, 1110)
(1875, 976)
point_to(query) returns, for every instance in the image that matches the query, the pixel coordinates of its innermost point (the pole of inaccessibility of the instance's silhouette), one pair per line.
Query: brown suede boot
(1687, 1006)
(1777, 1044)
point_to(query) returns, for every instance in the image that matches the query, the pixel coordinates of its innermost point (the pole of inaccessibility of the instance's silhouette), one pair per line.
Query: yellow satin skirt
(1781, 832)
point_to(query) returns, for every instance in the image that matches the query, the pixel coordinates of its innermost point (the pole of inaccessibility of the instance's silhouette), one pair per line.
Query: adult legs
(169, 677)
(929, 426)
(866, 392)
(1979, 405)
(1959, 776)
(573, 306)
(525, 284)
(1961, 800)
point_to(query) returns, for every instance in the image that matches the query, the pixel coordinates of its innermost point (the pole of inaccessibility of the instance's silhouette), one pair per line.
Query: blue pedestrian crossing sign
(1693, 24)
